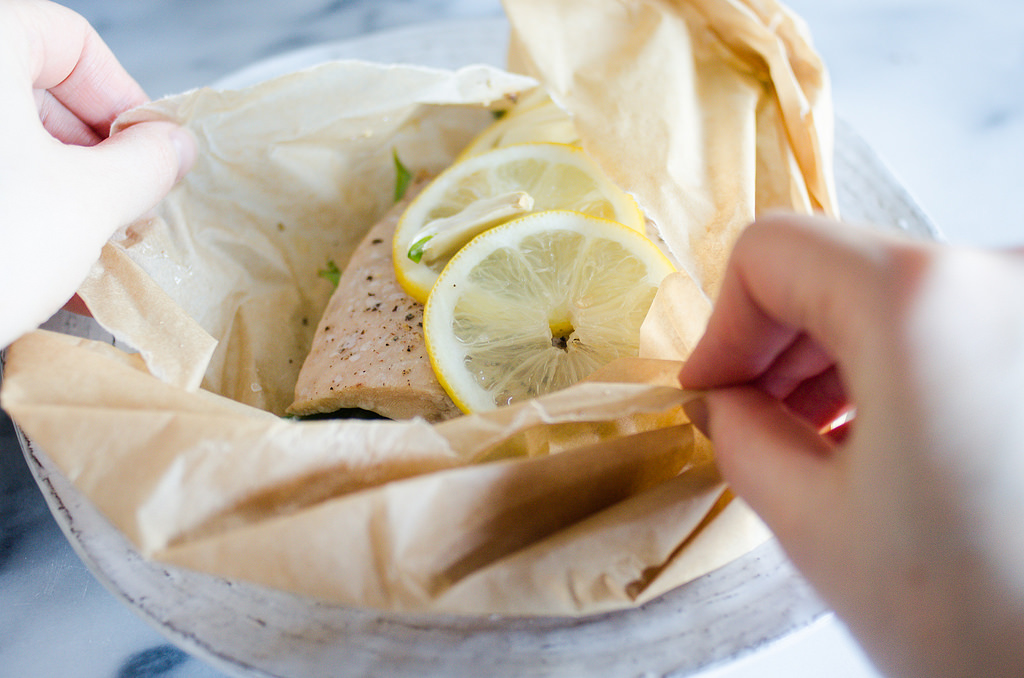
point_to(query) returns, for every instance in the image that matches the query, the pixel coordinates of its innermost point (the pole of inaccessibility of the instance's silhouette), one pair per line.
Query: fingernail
(186, 148)
(697, 411)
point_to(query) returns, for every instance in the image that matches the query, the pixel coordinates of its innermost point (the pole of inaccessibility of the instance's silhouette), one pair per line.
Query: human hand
(908, 523)
(65, 184)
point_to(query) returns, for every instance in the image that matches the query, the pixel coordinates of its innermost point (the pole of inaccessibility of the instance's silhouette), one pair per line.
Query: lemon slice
(487, 189)
(534, 118)
(537, 304)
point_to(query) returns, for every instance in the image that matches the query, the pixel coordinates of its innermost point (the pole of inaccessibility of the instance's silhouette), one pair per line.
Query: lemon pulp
(538, 304)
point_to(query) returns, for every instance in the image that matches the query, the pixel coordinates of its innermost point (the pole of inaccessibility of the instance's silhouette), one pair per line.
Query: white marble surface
(933, 85)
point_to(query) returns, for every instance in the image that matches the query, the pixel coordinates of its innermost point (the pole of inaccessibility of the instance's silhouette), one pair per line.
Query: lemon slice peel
(535, 117)
(555, 176)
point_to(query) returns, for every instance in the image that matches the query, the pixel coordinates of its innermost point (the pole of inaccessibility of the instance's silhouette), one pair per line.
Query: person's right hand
(911, 525)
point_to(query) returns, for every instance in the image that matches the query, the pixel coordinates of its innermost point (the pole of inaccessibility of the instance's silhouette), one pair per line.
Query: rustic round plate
(248, 630)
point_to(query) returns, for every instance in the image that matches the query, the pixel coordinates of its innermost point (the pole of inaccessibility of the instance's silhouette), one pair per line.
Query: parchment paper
(592, 499)
(708, 111)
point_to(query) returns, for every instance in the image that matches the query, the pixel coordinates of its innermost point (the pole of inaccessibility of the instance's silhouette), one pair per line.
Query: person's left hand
(65, 184)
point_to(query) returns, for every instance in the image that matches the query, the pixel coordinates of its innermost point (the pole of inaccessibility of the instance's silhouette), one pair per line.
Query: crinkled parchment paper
(708, 111)
(592, 499)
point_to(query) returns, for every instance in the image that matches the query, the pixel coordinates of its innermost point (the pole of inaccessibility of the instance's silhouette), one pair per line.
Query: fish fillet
(368, 351)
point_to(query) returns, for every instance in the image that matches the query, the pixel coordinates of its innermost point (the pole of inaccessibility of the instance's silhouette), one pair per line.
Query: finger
(791, 275)
(62, 124)
(805, 377)
(740, 341)
(801, 360)
(820, 399)
(779, 465)
(70, 59)
(134, 168)
(840, 433)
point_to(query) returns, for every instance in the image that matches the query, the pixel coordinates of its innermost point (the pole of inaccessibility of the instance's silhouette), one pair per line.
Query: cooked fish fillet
(368, 351)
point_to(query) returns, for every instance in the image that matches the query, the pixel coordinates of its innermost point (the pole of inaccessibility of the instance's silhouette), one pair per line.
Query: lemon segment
(538, 304)
(554, 176)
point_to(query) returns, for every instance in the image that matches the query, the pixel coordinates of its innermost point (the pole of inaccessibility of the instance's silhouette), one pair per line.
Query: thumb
(778, 464)
(136, 167)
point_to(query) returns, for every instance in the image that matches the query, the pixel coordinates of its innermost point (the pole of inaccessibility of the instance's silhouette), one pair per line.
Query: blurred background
(933, 85)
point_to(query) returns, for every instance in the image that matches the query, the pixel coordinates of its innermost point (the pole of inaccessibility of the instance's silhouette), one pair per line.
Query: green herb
(416, 250)
(498, 114)
(402, 177)
(332, 273)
